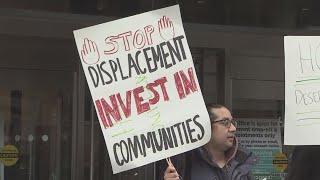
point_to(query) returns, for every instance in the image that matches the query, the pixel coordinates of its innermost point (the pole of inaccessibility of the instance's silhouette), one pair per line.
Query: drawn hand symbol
(166, 28)
(89, 52)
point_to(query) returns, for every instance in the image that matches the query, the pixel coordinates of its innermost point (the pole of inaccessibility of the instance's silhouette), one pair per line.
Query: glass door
(35, 124)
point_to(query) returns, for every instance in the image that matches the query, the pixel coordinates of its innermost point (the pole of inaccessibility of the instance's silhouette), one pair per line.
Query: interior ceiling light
(201, 1)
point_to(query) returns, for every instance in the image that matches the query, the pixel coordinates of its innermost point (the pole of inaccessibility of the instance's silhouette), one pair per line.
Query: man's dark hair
(213, 106)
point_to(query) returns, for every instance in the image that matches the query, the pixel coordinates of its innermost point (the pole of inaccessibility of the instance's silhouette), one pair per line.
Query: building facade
(46, 111)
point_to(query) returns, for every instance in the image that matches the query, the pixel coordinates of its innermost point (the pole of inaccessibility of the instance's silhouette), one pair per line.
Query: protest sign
(263, 138)
(144, 87)
(302, 90)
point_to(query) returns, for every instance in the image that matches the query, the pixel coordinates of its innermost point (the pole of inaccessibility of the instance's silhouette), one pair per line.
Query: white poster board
(259, 133)
(144, 87)
(302, 90)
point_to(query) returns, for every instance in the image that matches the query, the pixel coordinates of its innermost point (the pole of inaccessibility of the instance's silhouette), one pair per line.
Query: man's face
(222, 135)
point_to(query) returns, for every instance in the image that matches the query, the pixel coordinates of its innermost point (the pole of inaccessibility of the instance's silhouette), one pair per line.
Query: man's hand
(171, 173)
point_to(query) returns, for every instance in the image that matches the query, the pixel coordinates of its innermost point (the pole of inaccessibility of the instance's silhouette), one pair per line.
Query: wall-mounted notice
(302, 90)
(144, 87)
(263, 138)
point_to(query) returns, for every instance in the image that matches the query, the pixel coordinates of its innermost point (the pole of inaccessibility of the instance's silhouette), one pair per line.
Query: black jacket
(196, 165)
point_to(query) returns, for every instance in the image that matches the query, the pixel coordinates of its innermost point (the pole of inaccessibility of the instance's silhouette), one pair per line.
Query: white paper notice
(259, 133)
(302, 90)
(144, 87)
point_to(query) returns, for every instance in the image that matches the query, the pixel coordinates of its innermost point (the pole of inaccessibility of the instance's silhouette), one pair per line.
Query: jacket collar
(234, 153)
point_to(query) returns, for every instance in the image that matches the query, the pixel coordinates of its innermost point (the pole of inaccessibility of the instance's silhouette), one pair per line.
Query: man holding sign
(219, 159)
